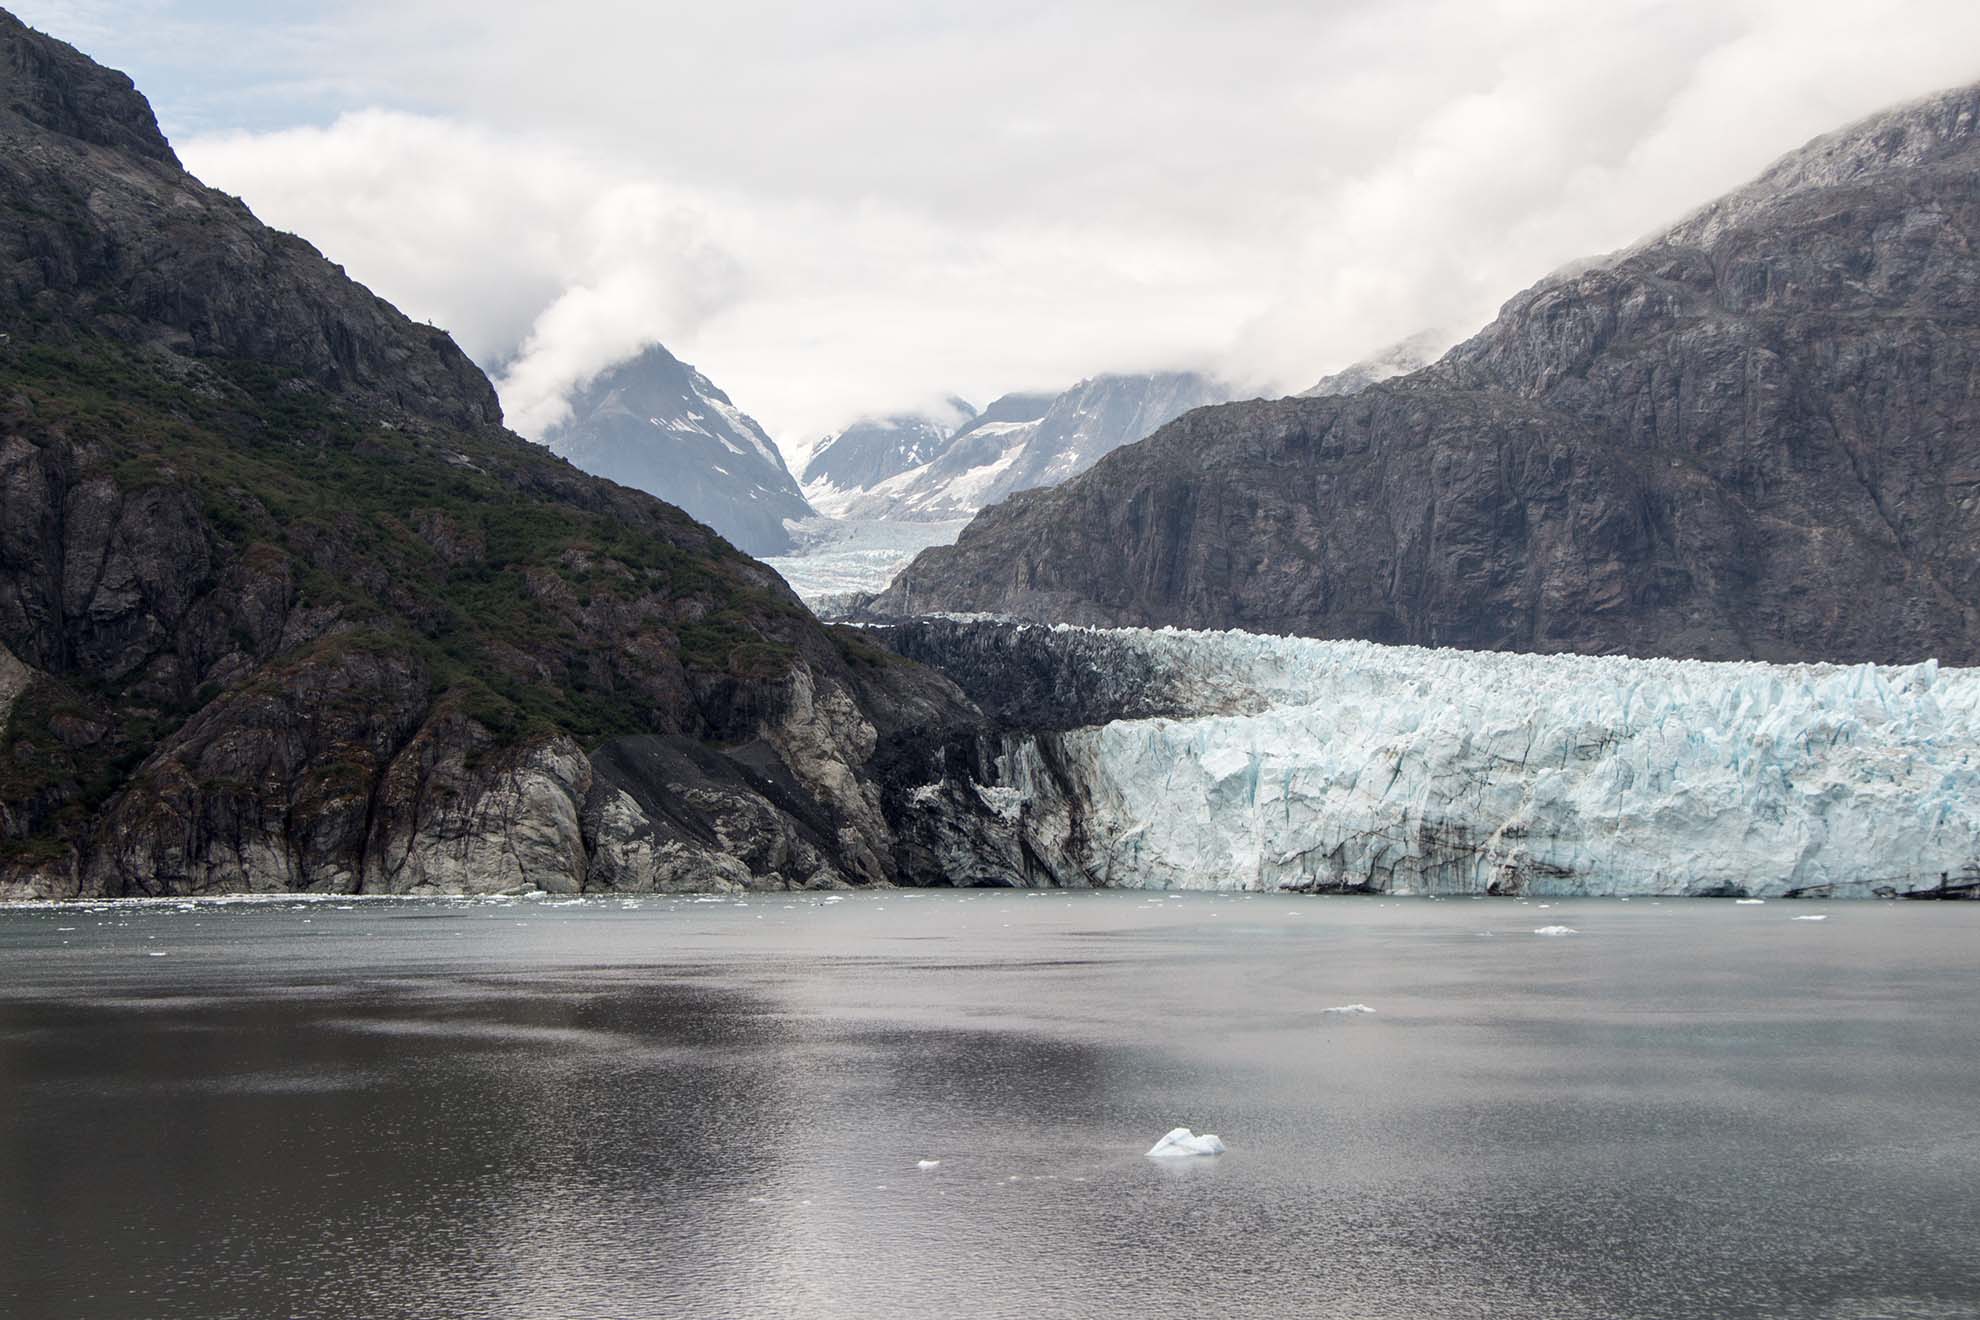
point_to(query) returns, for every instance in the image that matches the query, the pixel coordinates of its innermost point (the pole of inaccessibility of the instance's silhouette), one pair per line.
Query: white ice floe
(926, 1164)
(1555, 930)
(1813, 916)
(1349, 1009)
(1181, 1141)
(1305, 761)
(1748, 902)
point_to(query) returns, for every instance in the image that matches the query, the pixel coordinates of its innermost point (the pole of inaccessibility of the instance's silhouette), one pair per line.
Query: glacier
(1294, 763)
(838, 558)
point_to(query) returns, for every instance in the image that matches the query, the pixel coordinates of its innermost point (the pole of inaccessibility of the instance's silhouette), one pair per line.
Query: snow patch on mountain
(1024, 441)
(845, 465)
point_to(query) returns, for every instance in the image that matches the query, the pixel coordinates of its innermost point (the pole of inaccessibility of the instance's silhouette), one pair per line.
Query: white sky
(861, 207)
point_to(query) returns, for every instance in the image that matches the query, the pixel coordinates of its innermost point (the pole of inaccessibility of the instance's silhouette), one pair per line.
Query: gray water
(710, 1109)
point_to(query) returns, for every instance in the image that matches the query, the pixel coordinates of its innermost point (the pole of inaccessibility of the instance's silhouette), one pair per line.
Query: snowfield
(1400, 768)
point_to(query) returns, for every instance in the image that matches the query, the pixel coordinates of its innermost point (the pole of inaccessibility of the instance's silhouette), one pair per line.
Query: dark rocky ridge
(1031, 679)
(283, 607)
(1754, 436)
(56, 87)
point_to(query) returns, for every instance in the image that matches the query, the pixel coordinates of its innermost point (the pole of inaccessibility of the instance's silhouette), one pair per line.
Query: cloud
(860, 208)
(550, 265)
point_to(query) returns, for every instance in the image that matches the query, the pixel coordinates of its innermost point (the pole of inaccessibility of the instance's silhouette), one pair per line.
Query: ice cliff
(1262, 762)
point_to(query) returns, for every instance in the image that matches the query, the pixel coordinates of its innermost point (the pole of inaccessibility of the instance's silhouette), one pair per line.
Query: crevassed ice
(1451, 771)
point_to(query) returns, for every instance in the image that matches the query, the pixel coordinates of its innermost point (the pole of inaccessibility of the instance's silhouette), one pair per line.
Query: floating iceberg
(925, 1165)
(1181, 1141)
(1556, 930)
(1349, 1009)
(1818, 916)
(1324, 764)
(1748, 902)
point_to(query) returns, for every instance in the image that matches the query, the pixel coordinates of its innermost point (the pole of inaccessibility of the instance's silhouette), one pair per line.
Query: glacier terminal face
(1350, 765)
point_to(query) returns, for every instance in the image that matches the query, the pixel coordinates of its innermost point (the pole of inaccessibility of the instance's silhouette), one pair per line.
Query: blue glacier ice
(1408, 769)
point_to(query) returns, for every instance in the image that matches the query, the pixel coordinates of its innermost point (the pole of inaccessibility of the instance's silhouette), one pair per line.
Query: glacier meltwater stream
(1398, 768)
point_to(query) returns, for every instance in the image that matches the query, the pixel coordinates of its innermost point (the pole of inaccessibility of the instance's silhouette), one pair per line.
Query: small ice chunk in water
(1748, 902)
(1346, 1009)
(1181, 1141)
(1813, 916)
(1555, 930)
(926, 1164)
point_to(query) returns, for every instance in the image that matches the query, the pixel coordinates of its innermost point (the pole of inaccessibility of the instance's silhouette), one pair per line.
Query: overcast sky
(856, 207)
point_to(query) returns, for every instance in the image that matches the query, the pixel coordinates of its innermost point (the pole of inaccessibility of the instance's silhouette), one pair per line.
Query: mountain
(656, 424)
(283, 607)
(1023, 441)
(1754, 435)
(1398, 359)
(871, 450)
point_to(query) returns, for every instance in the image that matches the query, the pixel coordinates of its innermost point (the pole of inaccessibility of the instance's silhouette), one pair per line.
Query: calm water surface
(680, 1108)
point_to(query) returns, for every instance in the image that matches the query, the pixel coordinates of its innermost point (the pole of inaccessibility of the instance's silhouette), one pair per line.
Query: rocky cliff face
(656, 424)
(1757, 435)
(283, 607)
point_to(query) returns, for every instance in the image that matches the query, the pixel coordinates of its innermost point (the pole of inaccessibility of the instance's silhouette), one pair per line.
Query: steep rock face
(871, 451)
(283, 608)
(1023, 442)
(104, 229)
(1754, 436)
(57, 88)
(658, 425)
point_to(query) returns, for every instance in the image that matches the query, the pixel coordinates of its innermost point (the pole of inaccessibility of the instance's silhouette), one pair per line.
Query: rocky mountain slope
(656, 424)
(1755, 435)
(846, 465)
(282, 606)
(1025, 441)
